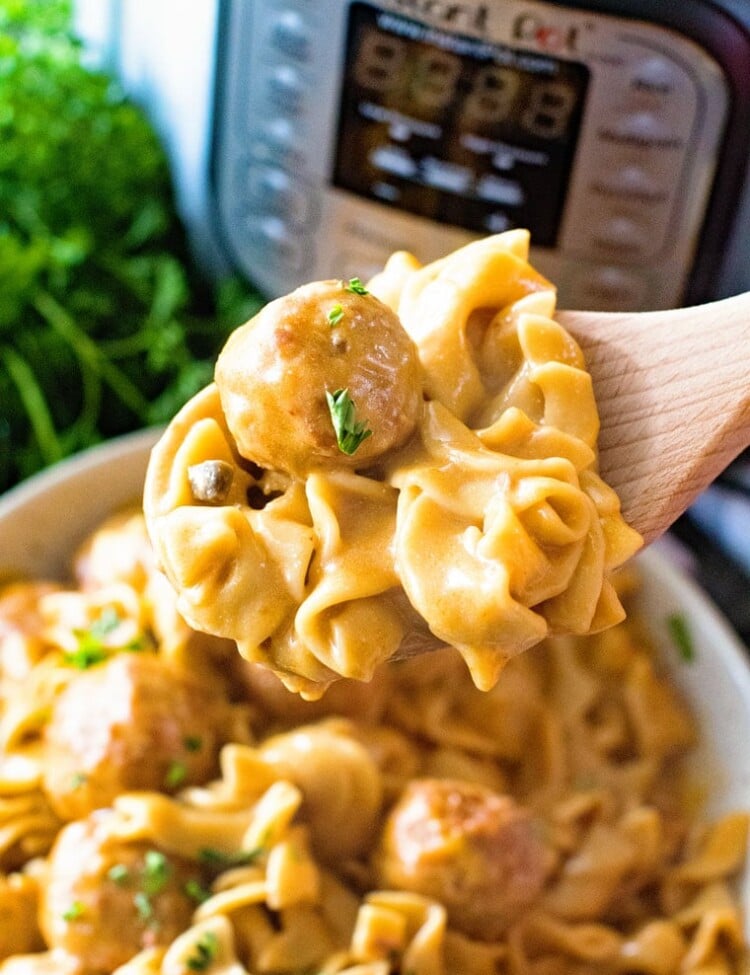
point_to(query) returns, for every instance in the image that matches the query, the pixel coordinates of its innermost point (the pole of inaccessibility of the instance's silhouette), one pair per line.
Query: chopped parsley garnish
(78, 779)
(88, 653)
(143, 905)
(350, 432)
(218, 858)
(153, 879)
(176, 774)
(119, 874)
(356, 287)
(335, 315)
(75, 911)
(192, 743)
(92, 646)
(108, 621)
(196, 891)
(681, 636)
(156, 872)
(205, 952)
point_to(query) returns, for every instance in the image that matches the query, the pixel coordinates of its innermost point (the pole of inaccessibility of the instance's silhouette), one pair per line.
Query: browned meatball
(274, 372)
(131, 723)
(106, 899)
(475, 851)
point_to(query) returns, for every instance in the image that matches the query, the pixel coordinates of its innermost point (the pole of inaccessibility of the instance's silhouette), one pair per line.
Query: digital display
(455, 128)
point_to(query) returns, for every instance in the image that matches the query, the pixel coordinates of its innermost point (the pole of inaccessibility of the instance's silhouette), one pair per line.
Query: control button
(278, 143)
(384, 190)
(499, 190)
(446, 176)
(625, 234)
(279, 243)
(271, 190)
(286, 89)
(655, 75)
(631, 182)
(604, 288)
(641, 128)
(291, 35)
(393, 159)
(497, 222)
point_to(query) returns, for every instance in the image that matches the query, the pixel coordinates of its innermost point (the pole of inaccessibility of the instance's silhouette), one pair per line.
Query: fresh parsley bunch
(104, 325)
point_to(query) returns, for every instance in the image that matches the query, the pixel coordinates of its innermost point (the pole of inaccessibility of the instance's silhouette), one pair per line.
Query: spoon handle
(673, 391)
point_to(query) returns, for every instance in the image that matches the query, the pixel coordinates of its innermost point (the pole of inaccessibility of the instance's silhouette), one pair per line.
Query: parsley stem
(35, 404)
(83, 429)
(90, 355)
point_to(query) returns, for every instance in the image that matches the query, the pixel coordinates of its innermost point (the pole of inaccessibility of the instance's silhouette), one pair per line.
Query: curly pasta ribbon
(490, 527)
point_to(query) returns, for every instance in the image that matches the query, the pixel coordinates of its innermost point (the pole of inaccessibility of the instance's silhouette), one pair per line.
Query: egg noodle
(470, 508)
(167, 807)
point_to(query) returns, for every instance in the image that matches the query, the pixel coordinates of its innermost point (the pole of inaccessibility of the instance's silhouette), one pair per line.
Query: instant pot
(311, 138)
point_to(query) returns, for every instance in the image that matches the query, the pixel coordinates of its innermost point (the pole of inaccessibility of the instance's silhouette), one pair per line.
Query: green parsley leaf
(335, 315)
(88, 653)
(105, 323)
(91, 649)
(356, 287)
(78, 779)
(108, 621)
(143, 905)
(192, 743)
(681, 636)
(196, 891)
(119, 874)
(350, 432)
(176, 774)
(139, 643)
(75, 911)
(205, 952)
(217, 858)
(156, 872)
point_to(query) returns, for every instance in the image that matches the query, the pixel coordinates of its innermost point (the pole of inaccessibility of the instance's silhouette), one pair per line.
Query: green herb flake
(206, 948)
(119, 874)
(335, 315)
(74, 912)
(350, 432)
(176, 774)
(218, 858)
(105, 324)
(356, 287)
(196, 891)
(91, 649)
(107, 622)
(156, 872)
(77, 780)
(139, 644)
(192, 743)
(682, 638)
(88, 653)
(143, 905)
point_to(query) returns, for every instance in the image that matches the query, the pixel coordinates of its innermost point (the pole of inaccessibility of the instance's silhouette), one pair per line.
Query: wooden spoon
(673, 391)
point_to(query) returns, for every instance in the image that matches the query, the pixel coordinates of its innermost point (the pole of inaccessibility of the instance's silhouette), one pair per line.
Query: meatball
(131, 723)
(274, 372)
(106, 899)
(475, 851)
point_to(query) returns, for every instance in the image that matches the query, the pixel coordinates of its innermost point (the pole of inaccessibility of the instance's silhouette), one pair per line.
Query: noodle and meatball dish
(275, 723)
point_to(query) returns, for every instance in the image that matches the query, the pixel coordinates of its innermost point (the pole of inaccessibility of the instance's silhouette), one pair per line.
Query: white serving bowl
(44, 518)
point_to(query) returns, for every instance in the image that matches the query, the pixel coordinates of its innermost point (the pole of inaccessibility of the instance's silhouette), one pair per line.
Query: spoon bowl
(673, 393)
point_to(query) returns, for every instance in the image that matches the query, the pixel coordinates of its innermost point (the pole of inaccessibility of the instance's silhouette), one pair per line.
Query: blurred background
(165, 168)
